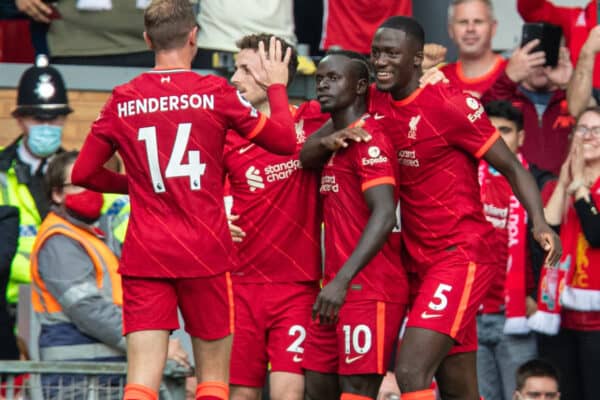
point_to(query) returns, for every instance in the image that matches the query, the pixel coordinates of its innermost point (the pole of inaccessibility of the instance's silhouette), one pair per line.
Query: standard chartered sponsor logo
(408, 158)
(328, 184)
(254, 180)
(281, 171)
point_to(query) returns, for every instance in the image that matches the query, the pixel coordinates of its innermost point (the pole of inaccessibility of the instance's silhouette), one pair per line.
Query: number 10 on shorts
(358, 340)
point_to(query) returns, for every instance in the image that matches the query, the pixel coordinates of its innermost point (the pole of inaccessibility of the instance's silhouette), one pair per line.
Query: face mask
(85, 205)
(44, 139)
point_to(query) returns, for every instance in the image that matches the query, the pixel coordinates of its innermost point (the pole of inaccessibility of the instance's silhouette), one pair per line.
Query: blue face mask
(44, 139)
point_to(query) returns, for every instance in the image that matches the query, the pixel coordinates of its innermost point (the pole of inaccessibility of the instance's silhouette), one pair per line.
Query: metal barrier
(38, 380)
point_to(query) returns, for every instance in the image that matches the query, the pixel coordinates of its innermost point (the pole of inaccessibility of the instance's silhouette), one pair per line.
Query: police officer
(42, 107)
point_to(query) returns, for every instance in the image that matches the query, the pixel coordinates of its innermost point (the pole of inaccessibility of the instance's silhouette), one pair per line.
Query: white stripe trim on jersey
(167, 71)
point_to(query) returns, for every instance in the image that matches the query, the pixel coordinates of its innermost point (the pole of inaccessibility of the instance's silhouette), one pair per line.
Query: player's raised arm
(276, 134)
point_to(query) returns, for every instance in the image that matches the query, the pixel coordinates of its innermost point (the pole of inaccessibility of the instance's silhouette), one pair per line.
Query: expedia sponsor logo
(477, 114)
(375, 156)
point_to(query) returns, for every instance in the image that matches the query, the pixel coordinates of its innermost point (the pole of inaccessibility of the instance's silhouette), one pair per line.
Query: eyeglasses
(539, 395)
(583, 130)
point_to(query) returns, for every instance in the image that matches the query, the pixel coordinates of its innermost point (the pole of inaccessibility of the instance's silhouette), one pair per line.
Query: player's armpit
(89, 171)
(277, 133)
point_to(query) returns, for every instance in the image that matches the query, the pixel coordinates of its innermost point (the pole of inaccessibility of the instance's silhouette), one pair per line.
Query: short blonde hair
(168, 23)
(455, 3)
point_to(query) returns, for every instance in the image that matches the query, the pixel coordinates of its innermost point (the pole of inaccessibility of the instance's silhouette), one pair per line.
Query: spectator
(9, 235)
(537, 379)
(539, 93)
(579, 92)
(573, 206)
(223, 22)
(94, 32)
(350, 25)
(472, 25)
(76, 288)
(42, 107)
(503, 336)
(576, 23)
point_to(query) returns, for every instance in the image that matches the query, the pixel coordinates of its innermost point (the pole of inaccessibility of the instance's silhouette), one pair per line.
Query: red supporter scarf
(514, 285)
(576, 281)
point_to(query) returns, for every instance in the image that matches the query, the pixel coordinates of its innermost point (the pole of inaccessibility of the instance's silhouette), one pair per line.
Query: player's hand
(237, 234)
(273, 67)
(176, 353)
(431, 77)
(561, 74)
(329, 301)
(549, 241)
(343, 138)
(523, 61)
(36, 9)
(433, 54)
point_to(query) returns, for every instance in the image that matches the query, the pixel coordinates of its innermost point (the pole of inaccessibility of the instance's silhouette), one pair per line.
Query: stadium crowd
(425, 228)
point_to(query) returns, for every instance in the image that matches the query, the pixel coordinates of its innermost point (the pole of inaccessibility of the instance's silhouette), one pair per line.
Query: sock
(135, 391)
(426, 394)
(353, 396)
(212, 390)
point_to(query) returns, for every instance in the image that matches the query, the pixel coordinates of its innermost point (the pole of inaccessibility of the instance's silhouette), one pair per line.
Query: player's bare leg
(286, 386)
(321, 386)
(244, 393)
(421, 353)
(146, 358)
(212, 364)
(362, 385)
(457, 377)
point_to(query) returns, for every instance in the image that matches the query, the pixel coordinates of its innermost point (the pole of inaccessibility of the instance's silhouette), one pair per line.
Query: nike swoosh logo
(245, 149)
(378, 117)
(350, 360)
(297, 358)
(424, 315)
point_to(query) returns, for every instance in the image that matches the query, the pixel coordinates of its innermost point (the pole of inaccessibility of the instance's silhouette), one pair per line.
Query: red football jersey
(439, 133)
(352, 24)
(277, 202)
(169, 128)
(350, 172)
(475, 86)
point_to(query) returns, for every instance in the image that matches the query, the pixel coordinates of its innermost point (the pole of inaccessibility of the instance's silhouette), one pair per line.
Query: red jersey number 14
(175, 168)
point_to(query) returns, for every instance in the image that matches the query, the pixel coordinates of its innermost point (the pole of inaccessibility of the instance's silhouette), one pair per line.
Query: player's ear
(148, 41)
(418, 60)
(193, 35)
(361, 87)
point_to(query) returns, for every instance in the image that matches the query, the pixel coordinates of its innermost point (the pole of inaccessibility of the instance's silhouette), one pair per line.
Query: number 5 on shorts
(441, 299)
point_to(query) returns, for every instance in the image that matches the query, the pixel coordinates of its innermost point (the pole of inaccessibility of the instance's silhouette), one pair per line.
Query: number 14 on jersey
(175, 168)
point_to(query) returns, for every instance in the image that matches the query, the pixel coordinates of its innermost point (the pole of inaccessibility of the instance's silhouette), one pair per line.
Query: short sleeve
(465, 124)
(374, 161)
(104, 126)
(240, 114)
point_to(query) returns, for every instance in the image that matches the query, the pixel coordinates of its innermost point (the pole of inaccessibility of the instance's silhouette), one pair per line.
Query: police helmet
(42, 93)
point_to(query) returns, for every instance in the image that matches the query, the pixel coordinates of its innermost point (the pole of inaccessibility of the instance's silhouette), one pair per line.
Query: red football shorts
(206, 305)
(270, 327)
(446, 299)
(362, 341)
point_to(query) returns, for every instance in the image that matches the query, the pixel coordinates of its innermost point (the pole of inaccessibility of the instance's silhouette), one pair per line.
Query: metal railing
(37, 380)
